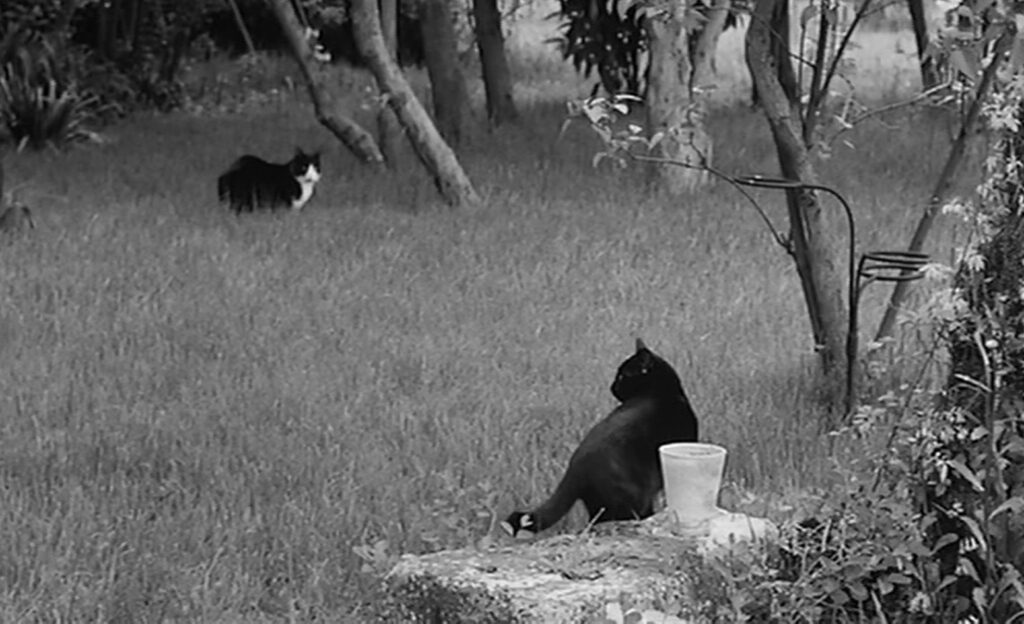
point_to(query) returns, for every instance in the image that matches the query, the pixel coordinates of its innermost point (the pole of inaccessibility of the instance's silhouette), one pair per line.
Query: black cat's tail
(549, 512)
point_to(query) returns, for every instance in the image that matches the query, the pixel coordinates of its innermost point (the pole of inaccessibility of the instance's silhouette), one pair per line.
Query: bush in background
(41, 100)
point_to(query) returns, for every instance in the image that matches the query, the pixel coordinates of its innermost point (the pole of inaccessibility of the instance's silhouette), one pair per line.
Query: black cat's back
(615, 470)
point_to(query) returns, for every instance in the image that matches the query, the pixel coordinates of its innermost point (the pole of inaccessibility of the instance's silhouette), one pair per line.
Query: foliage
(598, 35)
(926, 523)
(41, 102)
(608, 35)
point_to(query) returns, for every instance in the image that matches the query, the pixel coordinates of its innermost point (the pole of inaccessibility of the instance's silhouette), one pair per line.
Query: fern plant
(41, 103)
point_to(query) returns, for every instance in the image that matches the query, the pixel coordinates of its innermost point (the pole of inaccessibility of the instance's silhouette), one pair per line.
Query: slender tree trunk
(328, 111)
(671, 108)
(944, 184)
(779, 28)
(242, 28)
(447, 87)
(929, 75)
(389, 131)
(437, 157)
(493, 63)
(814, 249)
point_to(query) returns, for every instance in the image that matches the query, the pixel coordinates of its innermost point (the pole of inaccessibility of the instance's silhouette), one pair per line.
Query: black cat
(615, 470)
(252, 182)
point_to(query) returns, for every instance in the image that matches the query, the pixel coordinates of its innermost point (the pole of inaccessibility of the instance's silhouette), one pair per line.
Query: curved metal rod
(914, 258)
(852, 292)
(908, 263)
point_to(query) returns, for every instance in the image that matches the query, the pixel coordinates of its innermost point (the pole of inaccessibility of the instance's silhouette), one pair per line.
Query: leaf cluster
(41, 101)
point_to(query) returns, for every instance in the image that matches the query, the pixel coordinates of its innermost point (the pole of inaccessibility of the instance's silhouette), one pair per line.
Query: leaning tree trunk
(389, 130)
(671, 109)
(328, 111)
(437, 157)
(929, 74)
(945, 184)
(501, 107)
(813, 246)
(447, 87)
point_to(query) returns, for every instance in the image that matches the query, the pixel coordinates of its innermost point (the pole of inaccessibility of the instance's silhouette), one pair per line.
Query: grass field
(196, 406)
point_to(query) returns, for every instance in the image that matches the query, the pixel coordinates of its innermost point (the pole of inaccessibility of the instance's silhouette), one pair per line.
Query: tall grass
(195, 404)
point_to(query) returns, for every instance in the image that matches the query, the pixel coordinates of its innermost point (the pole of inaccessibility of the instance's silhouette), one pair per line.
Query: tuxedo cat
(252, 182)
(615, 470)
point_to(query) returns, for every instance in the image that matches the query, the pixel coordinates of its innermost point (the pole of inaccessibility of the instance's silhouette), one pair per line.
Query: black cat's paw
(520, 524)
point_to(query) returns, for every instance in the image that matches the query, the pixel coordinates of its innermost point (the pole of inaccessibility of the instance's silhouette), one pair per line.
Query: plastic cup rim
(691, 449)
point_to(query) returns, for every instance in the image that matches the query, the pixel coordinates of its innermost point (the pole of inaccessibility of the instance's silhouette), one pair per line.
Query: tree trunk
(707, 43)
(814, 249)
(671, 107)
(497, 78)
(389, 130)
(947, 178)
(447, 87)
(250, 47)
(779, 27)
(929, 75)
(328, 112)
(437, 157)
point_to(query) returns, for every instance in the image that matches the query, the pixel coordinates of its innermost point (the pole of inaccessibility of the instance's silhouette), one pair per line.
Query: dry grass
(198, 406)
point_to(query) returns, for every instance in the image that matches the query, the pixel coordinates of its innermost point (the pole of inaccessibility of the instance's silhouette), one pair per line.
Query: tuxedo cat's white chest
(307, 183)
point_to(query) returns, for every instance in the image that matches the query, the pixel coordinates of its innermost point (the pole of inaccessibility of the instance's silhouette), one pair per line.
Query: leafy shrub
(41, 102)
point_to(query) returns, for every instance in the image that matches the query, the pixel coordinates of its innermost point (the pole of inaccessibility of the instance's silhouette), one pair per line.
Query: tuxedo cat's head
(644, 373)
(305, 167)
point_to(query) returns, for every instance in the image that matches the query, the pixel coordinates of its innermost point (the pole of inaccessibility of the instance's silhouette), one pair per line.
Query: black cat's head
(520, 524)
(305, 167)
(644, 373)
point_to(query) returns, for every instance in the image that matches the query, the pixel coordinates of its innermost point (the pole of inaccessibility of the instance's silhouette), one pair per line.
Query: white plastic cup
(692, 473)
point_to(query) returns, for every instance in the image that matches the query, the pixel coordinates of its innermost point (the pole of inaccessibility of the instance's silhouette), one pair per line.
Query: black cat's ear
(640, 346)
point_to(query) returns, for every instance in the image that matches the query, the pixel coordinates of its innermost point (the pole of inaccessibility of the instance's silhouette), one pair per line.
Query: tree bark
(389, 130)
(929, 75)
(447, 87)
(707, 43)
(437, 157)
(328, 111)
(497, 78)
(778, 26)
(814, 249)
(671, 107)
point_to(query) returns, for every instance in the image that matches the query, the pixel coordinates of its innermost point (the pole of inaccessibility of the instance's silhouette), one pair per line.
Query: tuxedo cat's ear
(640, 346)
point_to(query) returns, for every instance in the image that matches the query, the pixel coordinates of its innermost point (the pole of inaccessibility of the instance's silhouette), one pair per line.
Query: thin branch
(888, 108)
(817, 96)
(816, 92)
(704, 166)
(834, 66)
